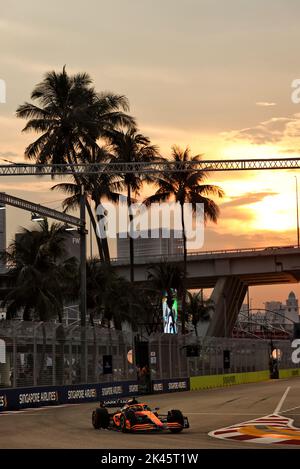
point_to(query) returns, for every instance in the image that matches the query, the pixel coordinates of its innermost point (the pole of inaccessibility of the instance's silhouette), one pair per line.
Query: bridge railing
(192, 254)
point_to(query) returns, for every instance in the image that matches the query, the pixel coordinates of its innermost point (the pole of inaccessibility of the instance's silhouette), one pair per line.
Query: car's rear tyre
(123, 424)
(100, 418)
(175, 416)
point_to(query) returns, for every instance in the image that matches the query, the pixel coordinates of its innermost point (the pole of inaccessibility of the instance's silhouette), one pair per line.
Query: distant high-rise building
(147, 246)
(292, 308)
(275, 312)
(280, 313)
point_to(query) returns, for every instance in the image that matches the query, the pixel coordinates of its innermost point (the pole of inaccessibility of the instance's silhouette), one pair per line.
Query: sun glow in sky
(237, 150)
(274, 213)
(268, 199)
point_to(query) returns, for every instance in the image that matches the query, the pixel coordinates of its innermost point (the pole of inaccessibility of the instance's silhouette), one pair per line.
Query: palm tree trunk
(184, 271)
(131, 245)
(104, 241)
(94, 225)
(89, 209)
(106, 250)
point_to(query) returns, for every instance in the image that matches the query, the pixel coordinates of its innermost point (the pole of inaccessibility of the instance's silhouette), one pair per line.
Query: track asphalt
(208, 412)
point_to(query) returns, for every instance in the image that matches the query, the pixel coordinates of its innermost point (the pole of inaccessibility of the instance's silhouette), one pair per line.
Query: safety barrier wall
(290, 373)
(21, 398)
(108, 393)
(116, 393)
(170, 385)
(215, 381)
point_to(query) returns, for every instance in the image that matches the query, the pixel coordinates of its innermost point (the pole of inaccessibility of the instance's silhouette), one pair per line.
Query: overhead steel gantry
(20, 169)
(6, 199)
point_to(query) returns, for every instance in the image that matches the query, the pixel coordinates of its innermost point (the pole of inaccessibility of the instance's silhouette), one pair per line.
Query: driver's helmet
(130, 402)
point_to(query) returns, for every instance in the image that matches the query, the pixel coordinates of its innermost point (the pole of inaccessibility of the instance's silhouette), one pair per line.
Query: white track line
(292, 408)
(220, 413)
(280, 403)
(32, 410)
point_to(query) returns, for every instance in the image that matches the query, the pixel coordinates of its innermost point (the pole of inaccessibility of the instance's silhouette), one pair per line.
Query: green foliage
(40, 277)
(197, 309)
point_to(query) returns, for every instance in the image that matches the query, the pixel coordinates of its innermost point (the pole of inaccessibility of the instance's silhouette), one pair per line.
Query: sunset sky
(212, 75)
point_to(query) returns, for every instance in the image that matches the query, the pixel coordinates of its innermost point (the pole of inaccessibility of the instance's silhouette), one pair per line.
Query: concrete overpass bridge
(229, 273)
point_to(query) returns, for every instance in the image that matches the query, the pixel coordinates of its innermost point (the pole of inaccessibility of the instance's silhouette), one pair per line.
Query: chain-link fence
(214, 355)
(36, 354)
(40, 354)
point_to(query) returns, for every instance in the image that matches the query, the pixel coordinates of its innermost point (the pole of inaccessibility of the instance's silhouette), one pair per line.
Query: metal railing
(203, 254)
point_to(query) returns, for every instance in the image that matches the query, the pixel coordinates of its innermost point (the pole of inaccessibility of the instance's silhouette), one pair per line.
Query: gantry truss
(6, 199)
(20, 169)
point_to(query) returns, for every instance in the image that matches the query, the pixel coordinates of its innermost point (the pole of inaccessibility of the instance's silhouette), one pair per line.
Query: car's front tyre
(100, 418)
(175, 417)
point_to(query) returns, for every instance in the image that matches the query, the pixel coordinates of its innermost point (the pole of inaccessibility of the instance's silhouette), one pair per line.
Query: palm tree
(165, 275)
(132, 147)
(186, 187)
(40, 278)
(97, 187)
(197, 309)
(108, 295)
(147, 307)
(70, 115)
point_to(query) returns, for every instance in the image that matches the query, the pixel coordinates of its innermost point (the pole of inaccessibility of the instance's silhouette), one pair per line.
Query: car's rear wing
(114, 402)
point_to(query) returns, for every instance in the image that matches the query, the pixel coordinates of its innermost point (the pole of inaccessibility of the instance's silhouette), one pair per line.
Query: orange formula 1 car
(138, 417)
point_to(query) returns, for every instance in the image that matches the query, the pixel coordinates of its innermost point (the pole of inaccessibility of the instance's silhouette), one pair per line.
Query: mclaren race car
(138, 417)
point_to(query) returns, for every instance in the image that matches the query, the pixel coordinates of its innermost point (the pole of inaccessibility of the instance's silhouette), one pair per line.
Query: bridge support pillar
(227, 296)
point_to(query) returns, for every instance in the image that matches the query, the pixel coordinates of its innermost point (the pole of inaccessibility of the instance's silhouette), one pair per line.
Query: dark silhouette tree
(186, 187)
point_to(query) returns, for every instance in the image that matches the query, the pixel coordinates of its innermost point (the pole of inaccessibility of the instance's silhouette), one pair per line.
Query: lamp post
(248, 303)
(297, 210)
(82, 303)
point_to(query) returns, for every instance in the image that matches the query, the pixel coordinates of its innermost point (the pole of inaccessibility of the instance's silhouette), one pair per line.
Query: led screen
(170, 311)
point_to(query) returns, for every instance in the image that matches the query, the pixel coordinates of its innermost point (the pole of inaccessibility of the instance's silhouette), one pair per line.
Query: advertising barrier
(22, 398)
(170, 385)
(110, 394)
